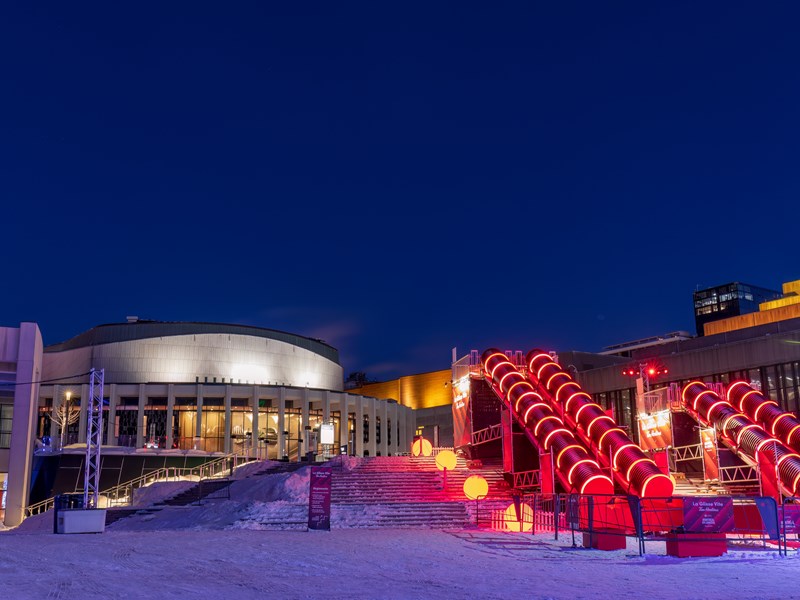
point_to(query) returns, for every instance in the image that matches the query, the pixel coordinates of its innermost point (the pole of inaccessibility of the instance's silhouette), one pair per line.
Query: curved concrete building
(155, 352)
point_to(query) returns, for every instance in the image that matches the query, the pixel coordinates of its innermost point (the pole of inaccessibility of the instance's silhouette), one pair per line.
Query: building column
(170, 415)
(305, 424)
(227, 444)
(372, 445)
(82, 423)
(411, 427)
(384, 445)
(140, 424)
(23, 423)
(326, 407)
(344, 422)
(198, 427)
(395, 410)
(254, 432)
(113, 401)
(402, 435)
(358, 436)
(282, 453)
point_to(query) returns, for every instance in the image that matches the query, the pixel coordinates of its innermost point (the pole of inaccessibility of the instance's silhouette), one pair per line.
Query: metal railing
(748, 520)
(491, 433)
(122, 494)
(527, 479)
(738, 474)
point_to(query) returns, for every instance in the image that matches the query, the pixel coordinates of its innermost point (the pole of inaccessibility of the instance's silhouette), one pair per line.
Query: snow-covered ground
(229, 549)
(362, 563)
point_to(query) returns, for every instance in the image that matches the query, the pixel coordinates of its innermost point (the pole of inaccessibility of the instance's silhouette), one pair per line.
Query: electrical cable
(11, 384)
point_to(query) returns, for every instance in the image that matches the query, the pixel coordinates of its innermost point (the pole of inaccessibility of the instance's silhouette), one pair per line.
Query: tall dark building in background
(728, 300)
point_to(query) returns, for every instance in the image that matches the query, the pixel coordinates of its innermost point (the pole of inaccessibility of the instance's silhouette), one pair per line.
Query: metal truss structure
(94, 439)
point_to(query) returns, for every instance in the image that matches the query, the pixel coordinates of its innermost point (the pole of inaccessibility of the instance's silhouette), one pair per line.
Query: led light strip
(560, 429)
(576, 395)
(597, 418)
(602, 437)
(531, 407)
(636, 462)
(539, 423)
(558, 458)
(620, 449)
(580, 462)
(562, 386)
(741, 402)
(688, 385)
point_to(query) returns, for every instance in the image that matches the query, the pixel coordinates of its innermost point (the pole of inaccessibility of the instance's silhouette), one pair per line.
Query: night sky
(396, 180)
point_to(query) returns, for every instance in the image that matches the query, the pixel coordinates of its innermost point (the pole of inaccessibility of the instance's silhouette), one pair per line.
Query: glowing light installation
(783, 425)
(575, 468)
(743, 434)
(421, 447)
(475, 487)
(633, 469)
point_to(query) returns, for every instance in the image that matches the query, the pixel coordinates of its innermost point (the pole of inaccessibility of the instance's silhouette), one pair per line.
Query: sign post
(319, 499)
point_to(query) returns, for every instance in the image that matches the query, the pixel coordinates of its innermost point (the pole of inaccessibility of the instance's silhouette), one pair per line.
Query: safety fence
(688, 524)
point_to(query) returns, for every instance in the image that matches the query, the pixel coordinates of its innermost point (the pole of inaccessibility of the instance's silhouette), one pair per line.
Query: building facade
(728, 300)
(765, 355)
(173, 388)
(429, 394)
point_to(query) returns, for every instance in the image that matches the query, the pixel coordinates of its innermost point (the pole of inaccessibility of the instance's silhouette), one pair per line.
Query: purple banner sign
(707, 514)
(791, 518)
(319, 498)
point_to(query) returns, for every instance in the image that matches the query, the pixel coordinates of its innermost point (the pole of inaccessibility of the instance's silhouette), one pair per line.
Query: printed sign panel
(791, 518)
(462, 425)
(710, 456)
(707, 514)
(655, 432)
(319, 498)
(326, 431)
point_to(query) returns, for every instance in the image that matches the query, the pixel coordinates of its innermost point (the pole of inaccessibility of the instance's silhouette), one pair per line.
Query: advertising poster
(462, 426)
(655, 432)
(710, 459)
(791, 518)
(707, 514)
(319, 498)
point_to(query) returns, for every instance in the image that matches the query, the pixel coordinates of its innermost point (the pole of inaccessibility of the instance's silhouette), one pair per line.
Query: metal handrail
(122, 494)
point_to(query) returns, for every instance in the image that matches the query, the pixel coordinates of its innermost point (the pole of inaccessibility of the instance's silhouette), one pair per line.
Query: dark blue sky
(396, 180)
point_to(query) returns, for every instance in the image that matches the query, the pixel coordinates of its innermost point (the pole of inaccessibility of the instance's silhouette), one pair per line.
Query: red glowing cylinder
(632, 467)
(750, 438)
(783, 425)
(576, 468)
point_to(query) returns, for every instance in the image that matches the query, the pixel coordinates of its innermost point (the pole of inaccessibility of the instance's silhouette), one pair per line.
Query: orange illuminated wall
(781, 309)
(425, 390)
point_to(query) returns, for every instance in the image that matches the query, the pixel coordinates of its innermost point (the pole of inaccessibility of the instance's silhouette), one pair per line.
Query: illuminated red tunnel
(576, 469)
(783, 425)
(635, 471)
(742, 433)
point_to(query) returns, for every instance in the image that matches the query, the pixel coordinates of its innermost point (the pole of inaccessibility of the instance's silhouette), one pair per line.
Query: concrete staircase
(399, 491)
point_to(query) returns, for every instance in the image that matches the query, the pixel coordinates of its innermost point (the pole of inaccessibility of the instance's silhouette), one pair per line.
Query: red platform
(605, 540)
(683, 545)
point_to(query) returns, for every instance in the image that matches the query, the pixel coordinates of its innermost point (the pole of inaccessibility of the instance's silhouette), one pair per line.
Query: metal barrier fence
(721, 521)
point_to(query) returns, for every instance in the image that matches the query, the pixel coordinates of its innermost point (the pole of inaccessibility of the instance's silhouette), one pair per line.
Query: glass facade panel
(6, 412)
(212, 432)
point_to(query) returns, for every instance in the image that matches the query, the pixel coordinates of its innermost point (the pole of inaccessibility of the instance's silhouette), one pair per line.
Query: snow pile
(350, 462)
(273, 515)
(159, 492)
